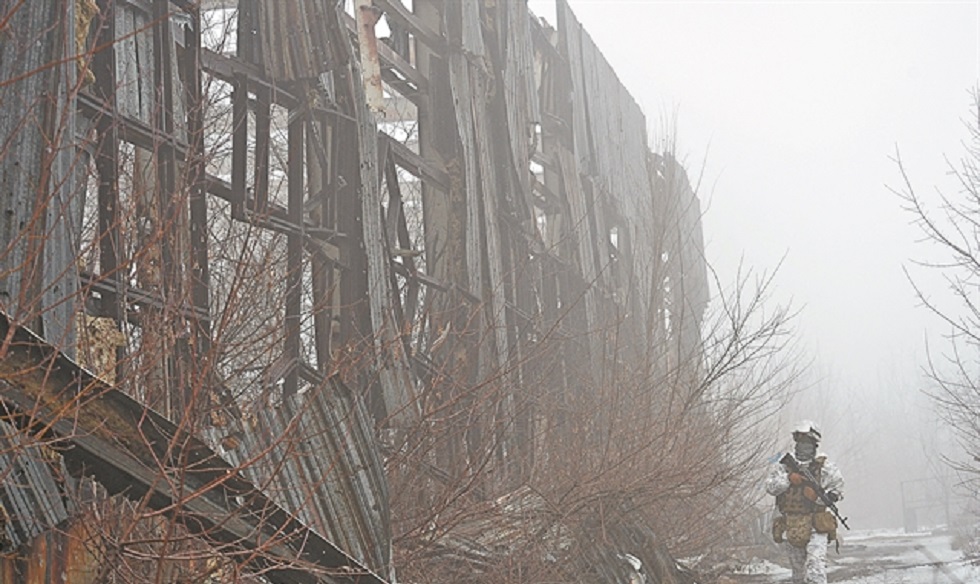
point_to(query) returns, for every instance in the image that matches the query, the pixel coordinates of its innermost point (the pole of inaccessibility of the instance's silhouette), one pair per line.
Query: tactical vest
(798, 514)
(792, 501)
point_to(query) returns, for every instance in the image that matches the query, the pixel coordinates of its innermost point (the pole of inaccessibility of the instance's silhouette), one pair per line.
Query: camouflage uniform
(809, 562)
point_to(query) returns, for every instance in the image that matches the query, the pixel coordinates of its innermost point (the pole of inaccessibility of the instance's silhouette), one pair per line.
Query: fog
(791, 115)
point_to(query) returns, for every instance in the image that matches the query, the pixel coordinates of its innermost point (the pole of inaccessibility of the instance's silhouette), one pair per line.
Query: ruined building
(315, 291)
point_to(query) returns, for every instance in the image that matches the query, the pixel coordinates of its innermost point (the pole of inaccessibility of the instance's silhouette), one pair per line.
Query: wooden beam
(130, 129)
(415, 164)
(396, 11)
(390, 60)
(273, 216)
(227, 68)
(124, 446)
(136, 296)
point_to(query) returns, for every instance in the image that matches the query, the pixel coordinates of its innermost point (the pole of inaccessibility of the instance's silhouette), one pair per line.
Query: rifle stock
(794, 465)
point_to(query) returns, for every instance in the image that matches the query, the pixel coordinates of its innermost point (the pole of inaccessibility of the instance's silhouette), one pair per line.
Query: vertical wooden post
(200, 273)
(294, 251)
(107, 168)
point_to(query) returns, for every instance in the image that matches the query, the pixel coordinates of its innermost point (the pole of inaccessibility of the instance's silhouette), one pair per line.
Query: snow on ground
(904, 558)
(762, 567)
(881, 557)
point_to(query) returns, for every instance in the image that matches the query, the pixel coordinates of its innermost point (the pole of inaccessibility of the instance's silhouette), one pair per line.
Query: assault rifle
(794, 465)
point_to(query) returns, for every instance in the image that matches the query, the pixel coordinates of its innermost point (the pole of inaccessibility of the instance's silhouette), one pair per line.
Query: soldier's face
(806, 447)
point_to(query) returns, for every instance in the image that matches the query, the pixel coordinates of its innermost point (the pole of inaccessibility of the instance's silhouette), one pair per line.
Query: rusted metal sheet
(507, 266)
(57, 556)
(41, 384)
(367, 17)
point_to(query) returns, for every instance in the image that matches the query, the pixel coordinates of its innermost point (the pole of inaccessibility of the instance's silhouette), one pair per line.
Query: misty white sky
(790, 112)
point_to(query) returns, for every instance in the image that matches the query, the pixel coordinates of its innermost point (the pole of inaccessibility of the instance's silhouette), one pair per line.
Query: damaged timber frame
(457, 221)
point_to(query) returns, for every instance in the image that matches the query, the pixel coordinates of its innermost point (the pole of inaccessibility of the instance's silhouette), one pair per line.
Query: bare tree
(272, 357)
(950, 222)
(142, 433)
(664, 453)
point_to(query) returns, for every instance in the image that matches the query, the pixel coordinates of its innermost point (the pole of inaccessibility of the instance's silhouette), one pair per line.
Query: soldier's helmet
(806, 428)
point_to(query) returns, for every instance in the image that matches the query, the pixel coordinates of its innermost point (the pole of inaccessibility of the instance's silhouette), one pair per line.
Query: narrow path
(883, 558)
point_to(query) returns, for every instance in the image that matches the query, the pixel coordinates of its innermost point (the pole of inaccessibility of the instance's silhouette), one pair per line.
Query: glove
(809, 493)
(834, 496)
(795, 478)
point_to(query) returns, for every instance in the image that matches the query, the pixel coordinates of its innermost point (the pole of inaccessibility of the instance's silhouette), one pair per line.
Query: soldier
(803, 521)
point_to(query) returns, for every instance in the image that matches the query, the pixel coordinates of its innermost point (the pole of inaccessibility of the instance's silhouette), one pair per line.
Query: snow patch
(757, 567)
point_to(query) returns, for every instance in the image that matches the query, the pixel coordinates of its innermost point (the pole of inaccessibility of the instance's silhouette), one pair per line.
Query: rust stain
(85, 13)
(367, 18)
(57, 556)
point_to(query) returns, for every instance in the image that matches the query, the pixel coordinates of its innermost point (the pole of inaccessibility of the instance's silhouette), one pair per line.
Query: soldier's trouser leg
(809, 565)
(797, 562)
(816, 560)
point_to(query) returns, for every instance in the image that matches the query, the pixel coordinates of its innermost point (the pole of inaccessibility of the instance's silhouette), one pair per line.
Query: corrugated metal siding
(32, 175)
(295, 42)
(29, 487)
(520, 96)
(317, 456)
(610, 143)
